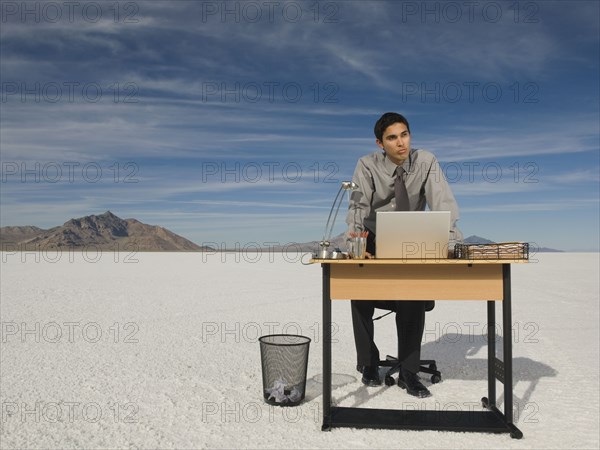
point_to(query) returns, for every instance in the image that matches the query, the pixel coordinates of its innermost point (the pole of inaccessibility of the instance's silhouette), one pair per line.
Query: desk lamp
(324, 244)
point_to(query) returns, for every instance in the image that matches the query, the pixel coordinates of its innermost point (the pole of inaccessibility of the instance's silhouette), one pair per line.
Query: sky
(234, 123)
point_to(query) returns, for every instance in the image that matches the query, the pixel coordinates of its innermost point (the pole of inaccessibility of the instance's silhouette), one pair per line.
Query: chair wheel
(389, 381)
(435, 379)
(433, 366)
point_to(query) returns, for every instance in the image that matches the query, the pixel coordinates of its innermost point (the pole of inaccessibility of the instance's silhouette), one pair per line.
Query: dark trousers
(410, 322)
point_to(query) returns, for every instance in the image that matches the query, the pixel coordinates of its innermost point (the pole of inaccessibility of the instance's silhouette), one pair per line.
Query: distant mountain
(477, 240)
(105, 231)
(18, 234)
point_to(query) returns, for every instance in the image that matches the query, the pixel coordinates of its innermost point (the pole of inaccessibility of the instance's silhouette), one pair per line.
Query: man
(421, 177)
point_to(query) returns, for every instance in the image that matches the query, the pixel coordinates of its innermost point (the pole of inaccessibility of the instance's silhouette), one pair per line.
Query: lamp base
(323, 253)
(335, 254)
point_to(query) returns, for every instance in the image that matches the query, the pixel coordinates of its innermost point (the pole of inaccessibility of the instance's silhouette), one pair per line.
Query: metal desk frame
(424, 280)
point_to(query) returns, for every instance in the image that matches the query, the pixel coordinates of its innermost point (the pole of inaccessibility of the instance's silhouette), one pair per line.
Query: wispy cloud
(349, 70)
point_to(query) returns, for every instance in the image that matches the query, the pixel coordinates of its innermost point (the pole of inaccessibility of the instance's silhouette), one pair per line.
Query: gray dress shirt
(425, 183)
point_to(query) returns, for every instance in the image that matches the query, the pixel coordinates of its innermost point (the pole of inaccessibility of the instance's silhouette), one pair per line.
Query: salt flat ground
(160, 350)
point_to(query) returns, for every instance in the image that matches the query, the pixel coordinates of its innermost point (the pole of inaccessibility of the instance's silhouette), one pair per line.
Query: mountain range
(109, 232)
(105, 232)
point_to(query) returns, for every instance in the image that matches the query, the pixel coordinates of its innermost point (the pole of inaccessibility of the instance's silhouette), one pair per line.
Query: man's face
(396, 142)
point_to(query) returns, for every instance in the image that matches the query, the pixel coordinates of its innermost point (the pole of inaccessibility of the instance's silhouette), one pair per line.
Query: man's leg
(367, 353)
(410, 323)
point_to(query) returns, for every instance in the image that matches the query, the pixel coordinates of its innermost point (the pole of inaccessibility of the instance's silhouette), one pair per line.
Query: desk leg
(326, 348)
(507, 344)
(507, 356)
(491, 343)
(501, 369)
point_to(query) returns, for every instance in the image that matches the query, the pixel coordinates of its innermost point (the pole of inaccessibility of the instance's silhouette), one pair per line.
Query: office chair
(428, 366)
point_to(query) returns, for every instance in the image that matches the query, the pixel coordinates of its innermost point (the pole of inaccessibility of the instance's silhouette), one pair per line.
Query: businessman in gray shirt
(399, 178)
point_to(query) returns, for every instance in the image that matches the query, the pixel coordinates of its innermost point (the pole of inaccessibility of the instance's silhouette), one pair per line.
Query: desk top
(376, 261)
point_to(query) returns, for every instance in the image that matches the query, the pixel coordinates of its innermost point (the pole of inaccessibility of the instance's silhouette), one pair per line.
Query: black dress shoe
(371, 376)
(410, 381)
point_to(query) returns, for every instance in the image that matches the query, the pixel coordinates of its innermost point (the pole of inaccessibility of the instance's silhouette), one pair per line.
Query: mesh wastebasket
(284, 359)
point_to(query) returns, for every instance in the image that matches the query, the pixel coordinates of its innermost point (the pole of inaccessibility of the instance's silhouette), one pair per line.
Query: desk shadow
(454, 356)
(314, 385)
(314, 388)
(454, 353)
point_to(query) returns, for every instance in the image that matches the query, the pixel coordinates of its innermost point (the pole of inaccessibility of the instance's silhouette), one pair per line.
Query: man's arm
(440, 198)
(360, 200)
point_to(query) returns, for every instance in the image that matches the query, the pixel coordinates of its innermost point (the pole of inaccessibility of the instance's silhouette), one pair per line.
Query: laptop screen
(412, 234)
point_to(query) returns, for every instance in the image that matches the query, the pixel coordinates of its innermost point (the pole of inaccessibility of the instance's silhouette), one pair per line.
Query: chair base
(426, 366)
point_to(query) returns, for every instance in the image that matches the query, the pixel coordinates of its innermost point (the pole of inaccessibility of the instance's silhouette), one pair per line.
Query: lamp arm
(335, 217)
(324, 244)
(326, 236)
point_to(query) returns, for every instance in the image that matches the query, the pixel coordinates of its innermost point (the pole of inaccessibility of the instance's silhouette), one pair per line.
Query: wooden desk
(423, 279)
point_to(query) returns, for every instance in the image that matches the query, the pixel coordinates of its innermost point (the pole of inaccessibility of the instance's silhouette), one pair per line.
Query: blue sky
(234, 122)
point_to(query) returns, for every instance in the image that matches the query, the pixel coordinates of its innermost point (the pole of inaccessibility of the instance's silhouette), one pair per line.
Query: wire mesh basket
(502, 250)
(284, 359)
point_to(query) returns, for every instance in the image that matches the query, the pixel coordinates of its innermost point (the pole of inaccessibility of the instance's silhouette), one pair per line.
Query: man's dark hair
(389, 118)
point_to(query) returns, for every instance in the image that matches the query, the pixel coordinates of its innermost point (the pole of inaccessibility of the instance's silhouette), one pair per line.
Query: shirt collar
(391, 166)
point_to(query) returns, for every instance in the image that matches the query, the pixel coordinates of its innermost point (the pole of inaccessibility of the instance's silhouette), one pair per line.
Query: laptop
(412, 234)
